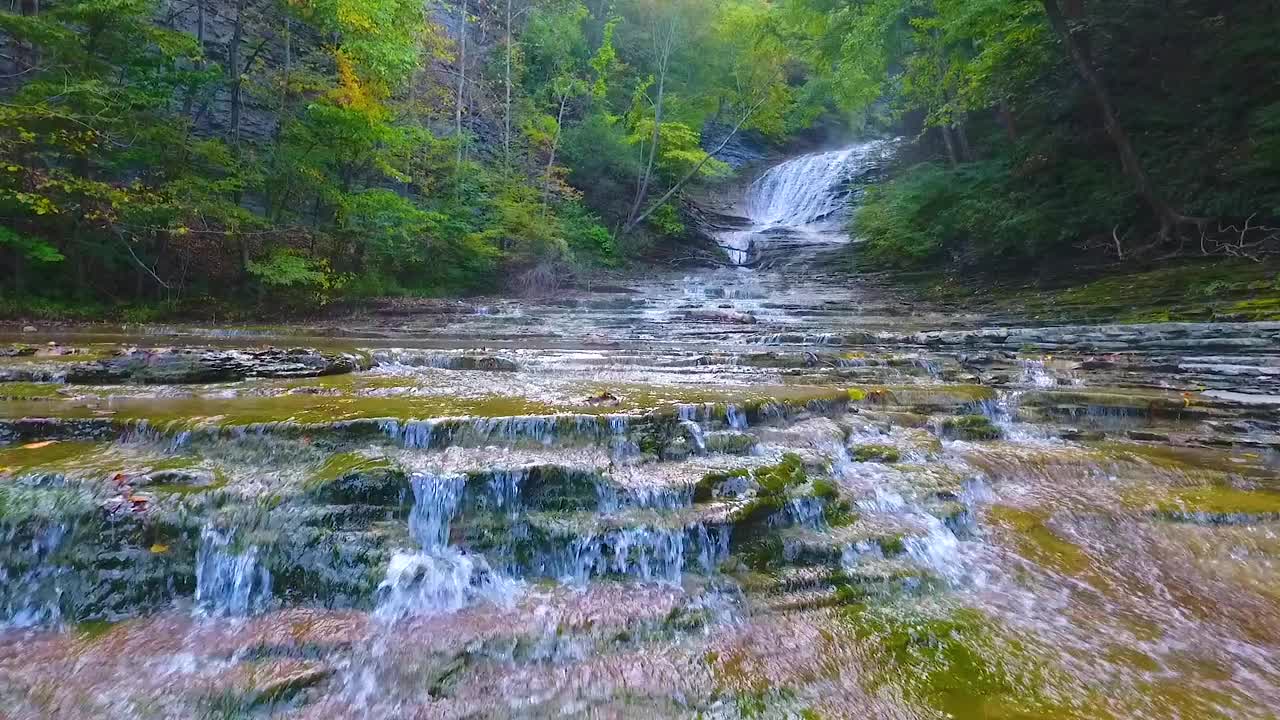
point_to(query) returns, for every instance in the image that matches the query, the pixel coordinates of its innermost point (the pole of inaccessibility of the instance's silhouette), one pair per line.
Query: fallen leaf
(159, 549)
(38, 445)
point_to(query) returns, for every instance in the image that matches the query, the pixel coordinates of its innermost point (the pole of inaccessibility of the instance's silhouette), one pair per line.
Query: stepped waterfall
(806, 195)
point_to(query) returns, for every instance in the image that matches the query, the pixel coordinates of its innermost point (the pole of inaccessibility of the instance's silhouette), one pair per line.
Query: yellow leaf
(159, 549)
(38, 445)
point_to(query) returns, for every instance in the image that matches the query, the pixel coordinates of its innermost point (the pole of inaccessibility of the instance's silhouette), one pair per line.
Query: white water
(439, 578)
(231, 581)
(807, 193)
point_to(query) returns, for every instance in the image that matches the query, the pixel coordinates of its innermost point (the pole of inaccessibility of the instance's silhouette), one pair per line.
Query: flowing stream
(763, 489)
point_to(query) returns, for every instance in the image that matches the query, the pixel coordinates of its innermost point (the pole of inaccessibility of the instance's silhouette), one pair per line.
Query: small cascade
(442, 581)
(648, 554)
(855, 553)
(526, 430)
(613, 498)
(1044, 374)
(31, 579)
(231, 580)
(803, 512)
(938, 549)
(710, 545)
(696, 434)
(436, 501)
(439, 578)
(504, 490)
(736, 418)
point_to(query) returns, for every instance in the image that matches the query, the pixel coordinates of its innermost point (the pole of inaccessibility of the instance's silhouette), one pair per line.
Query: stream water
(767, 489)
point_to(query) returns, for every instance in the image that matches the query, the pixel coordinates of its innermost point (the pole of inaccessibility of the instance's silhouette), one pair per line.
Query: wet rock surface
(183, 366)
(633, 505)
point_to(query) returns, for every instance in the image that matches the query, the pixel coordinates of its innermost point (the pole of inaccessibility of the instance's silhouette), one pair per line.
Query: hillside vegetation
(225, 153)
(223, 157)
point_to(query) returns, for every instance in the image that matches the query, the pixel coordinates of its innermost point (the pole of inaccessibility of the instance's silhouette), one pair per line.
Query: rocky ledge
(179, 366)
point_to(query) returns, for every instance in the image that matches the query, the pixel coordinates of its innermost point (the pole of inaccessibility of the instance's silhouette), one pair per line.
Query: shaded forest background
(224, 157)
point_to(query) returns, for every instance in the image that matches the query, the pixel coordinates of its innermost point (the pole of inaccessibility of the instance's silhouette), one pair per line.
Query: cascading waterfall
(803, 190)
(231, 580)
(435, 501)
(439, 578)
(30, 579)
(808, 191)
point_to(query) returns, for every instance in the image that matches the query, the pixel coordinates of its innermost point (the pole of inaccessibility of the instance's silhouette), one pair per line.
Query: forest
(163, 157)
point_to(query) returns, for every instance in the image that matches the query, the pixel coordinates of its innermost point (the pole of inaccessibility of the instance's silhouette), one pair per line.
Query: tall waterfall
(810, 188)
(811, 192)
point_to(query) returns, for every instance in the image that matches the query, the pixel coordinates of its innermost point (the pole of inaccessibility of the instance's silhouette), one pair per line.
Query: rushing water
(807, 195)
(765, 490)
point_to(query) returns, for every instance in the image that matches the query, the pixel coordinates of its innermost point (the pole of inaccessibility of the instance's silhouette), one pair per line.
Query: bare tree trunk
(555, 145)
(631, 225)
(1006, 119)
(1131, 164)
(190, 99)
(462, 81)
(663, 49)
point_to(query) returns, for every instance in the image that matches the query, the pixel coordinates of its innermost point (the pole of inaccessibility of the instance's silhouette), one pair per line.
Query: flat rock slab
(188, 366)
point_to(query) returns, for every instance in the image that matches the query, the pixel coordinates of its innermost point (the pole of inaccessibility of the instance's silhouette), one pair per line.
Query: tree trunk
(1006, 119)
(462, 81)
(190, 99)
(962, 136)
(664, 59)
(233, 67)
(555, 145)
(506, 120)
(950, 142)
(631, 225)
(1130, 163)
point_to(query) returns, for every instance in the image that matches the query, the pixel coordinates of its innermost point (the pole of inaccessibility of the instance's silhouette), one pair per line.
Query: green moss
(729, 443)
(955, 661)
(31, 391)
(877, 453)
(1220, 501)
(971, 427)
(353, 478)
(93, 630)
(705, 489)
(51, 456)
(19, 504)
(1037, 542)
(893, 545)
(1226, 290)
(775, 479)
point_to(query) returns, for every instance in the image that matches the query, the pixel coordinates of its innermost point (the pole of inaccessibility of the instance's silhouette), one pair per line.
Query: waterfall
(231, 580)
(811, 193)
(436, 500)
(443, 581)
(810, 188)
(31, 577)
(439, 578)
